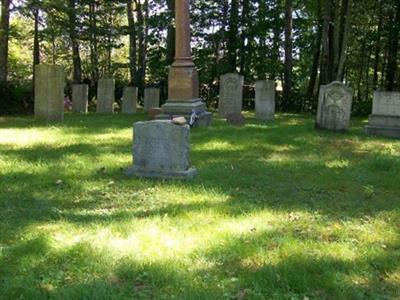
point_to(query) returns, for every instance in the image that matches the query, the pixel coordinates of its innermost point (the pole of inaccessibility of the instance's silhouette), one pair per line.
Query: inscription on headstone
(151, 98)
(80, 95)
(105, 96)
(161, 150)
(49, 92)
(230, 94)
(129, 100)
(334, 107)
(265, 100)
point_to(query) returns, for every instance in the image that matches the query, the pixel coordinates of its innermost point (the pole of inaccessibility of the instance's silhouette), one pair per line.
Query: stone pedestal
(105, 96)
(230, 94)
(334, 107)
(129, 100)
(80, 96)
(151, 98)
(161, 150)
(49, 92)
(265, 100)
(183, 80)
(385, 117)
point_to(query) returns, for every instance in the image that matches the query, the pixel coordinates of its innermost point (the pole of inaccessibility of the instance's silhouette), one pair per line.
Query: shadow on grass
(229, 268)
(283, 166)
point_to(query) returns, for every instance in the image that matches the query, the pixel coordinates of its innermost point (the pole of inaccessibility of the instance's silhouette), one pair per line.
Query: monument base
(381, 125)
(160, 174)
(174, 109)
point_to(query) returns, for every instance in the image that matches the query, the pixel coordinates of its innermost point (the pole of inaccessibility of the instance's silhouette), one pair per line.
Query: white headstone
(334, 107)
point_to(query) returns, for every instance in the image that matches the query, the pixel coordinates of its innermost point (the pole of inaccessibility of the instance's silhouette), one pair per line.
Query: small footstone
(236, 119)
(161, 150)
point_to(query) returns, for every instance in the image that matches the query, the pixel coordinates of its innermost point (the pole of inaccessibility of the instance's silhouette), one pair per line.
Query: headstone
(129, 100)
(105, 96)
(80, 96)
(230, 94)
(265, 100)
(161, 150)
(334, 107)
(236, 119)
(49, 92)
(151, 98)
(385, 117)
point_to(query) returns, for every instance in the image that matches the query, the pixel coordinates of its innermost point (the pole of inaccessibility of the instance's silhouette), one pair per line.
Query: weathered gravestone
(385, 117)
(334, 107)
(236, 119)
(151, 98)
(129, 100)
(105, 96)
(80, 95)
(161, 150)
(49, 92)
(230, 94)
(265, 100)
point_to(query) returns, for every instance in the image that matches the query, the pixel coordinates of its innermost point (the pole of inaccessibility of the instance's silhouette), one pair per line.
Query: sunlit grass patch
(278, 211)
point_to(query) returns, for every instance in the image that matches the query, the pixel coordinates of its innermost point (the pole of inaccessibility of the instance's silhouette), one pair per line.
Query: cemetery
(142, 163)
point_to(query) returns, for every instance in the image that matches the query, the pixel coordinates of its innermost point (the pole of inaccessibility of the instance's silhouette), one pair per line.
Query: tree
(288, 69)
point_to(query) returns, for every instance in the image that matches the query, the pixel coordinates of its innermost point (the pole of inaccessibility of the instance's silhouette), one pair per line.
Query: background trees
(300, 44)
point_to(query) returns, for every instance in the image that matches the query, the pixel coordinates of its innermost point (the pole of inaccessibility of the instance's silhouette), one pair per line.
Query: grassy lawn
(277, 211)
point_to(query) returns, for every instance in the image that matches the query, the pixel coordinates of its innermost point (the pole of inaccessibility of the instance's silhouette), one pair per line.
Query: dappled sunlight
(265, 204)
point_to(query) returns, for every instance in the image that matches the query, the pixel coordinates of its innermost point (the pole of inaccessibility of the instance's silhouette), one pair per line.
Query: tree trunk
(4, 37)
(316, 55)
(346, 17)
(288, 69)
(77, 64)
(378, 48)
(325, 43)
(232, 44)
(93, 45)
(393, 51)
(142, 11)
(132, 43)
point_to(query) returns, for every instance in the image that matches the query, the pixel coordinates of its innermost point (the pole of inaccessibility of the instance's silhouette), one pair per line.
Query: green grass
(277, 211)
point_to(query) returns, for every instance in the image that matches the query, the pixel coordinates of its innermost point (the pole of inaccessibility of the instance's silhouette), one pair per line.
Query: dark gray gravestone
(230, 94)
(129, 100)
(161, 150)
(80, 96)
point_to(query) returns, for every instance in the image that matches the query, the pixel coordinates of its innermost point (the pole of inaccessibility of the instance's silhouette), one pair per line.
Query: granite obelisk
(183, 80)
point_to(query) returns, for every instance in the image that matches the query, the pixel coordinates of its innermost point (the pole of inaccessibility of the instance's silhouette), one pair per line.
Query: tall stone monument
(80, 96)
(334, 107)
(151, 98)
(129, 100)
(183, 81)
(265, 100)
(105, 96)
(385, 117)
(230, 94)
(49, 92)
(161, 150)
